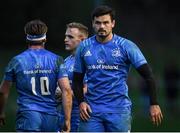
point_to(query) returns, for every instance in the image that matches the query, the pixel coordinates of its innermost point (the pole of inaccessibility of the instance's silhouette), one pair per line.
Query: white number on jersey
(44, 85)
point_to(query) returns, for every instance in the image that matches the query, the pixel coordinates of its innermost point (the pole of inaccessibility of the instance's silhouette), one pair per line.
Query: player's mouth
(102, 32)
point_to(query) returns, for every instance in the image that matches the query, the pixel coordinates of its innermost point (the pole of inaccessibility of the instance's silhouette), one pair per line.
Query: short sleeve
(79, 65)
(134, 54)
(62, 71)
(85, 79)
(10, 70)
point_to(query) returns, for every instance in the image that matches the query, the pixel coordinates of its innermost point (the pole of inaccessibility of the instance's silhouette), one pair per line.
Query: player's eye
(97, 22)
(69, 36)
(106, 22)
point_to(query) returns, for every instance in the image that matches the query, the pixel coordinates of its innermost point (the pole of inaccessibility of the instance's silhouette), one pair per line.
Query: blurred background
(152, 24)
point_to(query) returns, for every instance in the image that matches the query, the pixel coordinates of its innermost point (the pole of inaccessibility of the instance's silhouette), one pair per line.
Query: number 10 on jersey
(44, 85)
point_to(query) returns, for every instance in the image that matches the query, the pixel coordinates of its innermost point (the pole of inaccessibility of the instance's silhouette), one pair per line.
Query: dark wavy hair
(103, 10)
(35, 27)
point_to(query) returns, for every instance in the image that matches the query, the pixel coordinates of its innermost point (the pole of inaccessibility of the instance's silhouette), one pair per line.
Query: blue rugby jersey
(35, 72)
(106, 67)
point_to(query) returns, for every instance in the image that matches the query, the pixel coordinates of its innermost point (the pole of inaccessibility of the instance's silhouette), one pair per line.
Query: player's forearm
(146, 72)
(85, 89)
(67, 103)
(66, 96)
(78, 86)
(3, 99)
(4, 92)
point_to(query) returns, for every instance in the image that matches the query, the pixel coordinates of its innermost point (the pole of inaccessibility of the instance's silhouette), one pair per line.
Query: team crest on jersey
(116, 52)
(71, 68)
(88, 53)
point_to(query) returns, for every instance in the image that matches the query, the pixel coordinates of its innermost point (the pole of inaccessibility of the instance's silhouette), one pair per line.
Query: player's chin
(102, 35)
(67, 48)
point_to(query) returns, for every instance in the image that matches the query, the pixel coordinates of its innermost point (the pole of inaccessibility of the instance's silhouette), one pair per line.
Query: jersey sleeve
(79, 65)
(134, 54)
(85, 79)
(62, 71)
(10, 70)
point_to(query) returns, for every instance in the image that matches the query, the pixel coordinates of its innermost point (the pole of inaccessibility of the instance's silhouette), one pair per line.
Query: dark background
(152, 24)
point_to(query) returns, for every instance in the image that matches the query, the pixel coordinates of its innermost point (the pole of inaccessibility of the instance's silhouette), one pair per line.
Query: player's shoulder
(85, 44)
(88, 41)
(58, 60)
(17, 58)
(50, 53)
(35, 51)
(53, 54)
(20, 55)
(123, 42)
(68, 58)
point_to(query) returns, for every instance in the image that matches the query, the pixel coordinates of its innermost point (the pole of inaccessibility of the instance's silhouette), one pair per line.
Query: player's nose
(102, 25)
(65, 39)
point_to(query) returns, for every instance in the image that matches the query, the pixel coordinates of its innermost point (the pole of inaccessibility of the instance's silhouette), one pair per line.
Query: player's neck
(104, 39)
(36, 47)
(73, 52)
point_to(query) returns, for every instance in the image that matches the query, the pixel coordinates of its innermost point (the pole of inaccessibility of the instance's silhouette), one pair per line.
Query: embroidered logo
(37, 66)
(116, 52)
(100, 61)
(71, 68)
(88, 53)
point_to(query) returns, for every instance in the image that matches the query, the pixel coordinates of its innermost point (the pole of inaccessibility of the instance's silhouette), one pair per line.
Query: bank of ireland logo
(100, 61)
(116, 52)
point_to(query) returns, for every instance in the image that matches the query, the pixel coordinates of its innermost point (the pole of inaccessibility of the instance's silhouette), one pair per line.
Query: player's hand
(2, 119)
(85, 111)
(58, 94)
(67, 126)
(156, 114)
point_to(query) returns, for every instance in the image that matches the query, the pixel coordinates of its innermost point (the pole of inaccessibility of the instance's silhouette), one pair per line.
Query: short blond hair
(82, 28)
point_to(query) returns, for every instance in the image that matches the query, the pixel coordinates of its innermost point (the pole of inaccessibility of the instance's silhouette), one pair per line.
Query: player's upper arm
(134, 54)
(5, 86)
(10, 71)
(62, 70)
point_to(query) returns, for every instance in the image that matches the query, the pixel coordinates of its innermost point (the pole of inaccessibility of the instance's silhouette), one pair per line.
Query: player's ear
(113, 23)
(82, 37)
(45, 40)
(92, 22)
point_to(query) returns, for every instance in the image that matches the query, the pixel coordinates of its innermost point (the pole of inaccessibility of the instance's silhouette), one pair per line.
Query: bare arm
(4, 92)
(85, 89)
(66, 101)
